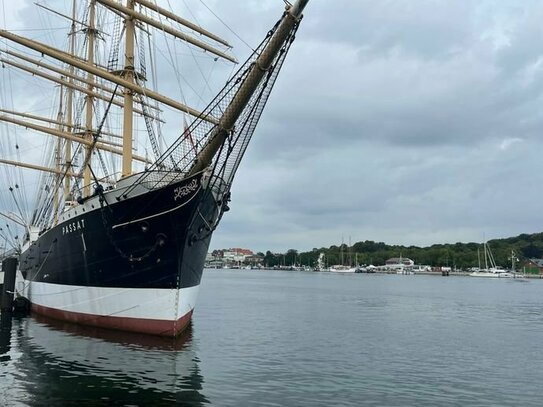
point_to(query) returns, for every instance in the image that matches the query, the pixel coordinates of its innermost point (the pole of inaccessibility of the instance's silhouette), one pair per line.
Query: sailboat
(126, 249)
(343, 268)
(490, 269)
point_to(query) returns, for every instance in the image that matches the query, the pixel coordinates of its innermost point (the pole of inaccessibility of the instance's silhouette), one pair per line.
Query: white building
(399, 263)
(236, 255)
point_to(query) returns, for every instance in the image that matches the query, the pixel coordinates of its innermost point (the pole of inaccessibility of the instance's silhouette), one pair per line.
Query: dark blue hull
(155, 240)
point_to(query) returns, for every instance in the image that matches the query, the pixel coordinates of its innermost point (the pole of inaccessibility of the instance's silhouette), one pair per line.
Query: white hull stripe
(142, 303)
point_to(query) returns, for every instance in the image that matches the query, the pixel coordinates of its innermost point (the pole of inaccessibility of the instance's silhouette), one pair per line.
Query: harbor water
(284, 338)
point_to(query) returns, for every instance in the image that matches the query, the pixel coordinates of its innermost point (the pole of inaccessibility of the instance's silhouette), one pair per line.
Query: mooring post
(9, 267)
(5, 333)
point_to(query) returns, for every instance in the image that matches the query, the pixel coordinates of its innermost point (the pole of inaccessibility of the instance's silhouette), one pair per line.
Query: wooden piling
(9, 267)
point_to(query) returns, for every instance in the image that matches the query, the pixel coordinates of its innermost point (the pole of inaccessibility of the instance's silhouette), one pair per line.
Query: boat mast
(486, 256)
(58, 148)
(241, 99)
(91, 36)
(341, 252)
(69, 111)
(350, 253)
(128, 75)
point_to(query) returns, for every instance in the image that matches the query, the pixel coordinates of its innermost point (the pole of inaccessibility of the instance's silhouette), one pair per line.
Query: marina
(178, 180)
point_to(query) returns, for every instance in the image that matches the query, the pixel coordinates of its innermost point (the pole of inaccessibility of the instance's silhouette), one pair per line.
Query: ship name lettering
(73, 226)
(185, 190)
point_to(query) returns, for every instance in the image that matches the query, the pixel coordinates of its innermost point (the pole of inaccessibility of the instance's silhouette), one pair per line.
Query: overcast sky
(408, 122)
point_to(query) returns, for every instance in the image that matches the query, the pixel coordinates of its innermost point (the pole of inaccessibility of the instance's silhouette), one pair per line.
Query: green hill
(459, 255)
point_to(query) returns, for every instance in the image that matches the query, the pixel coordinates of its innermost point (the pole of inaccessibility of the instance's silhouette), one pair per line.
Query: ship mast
(128, 75)
(69, 112)
(247, 88)
(58, 147)
(89, 99)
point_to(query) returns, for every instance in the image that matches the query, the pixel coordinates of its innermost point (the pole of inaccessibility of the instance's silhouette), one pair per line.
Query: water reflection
(65, 364)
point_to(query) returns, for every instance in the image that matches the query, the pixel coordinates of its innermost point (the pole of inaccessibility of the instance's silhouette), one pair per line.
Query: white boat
(491, 269)
(492, 272)
(399, 265)
(342, 269)
(419, 268)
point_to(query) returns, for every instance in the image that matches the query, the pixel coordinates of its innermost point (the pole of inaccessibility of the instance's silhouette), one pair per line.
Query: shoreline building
(236, 256)
(399, 263)
(533, 266)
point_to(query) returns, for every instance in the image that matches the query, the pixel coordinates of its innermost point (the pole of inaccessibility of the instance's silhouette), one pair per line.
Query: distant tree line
(459, 255)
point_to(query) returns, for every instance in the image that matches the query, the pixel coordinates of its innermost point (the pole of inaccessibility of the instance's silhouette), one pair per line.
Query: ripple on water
(302, 339)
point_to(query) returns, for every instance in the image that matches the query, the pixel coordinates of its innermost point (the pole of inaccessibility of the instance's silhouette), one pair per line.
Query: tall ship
(118, 237)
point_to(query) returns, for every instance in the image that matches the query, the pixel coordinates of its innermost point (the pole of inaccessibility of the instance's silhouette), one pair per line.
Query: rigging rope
(154, 83)
(95, 137)
(228, 27)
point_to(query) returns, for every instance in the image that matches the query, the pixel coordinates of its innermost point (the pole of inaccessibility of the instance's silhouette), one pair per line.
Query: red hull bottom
(137, 325)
